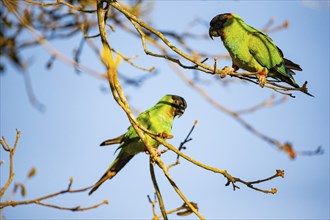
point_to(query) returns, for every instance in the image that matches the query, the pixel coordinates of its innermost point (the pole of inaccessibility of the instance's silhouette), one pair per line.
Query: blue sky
(63, 141)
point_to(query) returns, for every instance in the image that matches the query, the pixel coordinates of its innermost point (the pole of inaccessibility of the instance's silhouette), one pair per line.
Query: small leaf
(23, 190)
(32, 172)
(15, 187)
(20, 186)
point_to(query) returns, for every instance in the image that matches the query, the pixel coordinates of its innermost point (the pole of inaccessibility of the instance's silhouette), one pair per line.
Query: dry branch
(38, 201)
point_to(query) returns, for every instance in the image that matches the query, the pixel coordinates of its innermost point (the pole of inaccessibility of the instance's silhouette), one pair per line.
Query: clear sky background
(63, 141)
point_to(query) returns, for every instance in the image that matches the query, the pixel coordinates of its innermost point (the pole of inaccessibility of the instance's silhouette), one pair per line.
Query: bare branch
(39, 200)
(55, 53)
(59, 2)
(159, 196)
(74, 209)
(318, 151)
(181, 147)
(267, 103)
(11, 150)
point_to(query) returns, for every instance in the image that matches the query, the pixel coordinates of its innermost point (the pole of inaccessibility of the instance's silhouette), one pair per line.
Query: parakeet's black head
(217, 24)
(177, 103)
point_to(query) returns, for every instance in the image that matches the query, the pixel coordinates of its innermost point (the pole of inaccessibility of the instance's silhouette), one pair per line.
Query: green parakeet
(157, 120)
(252, 50)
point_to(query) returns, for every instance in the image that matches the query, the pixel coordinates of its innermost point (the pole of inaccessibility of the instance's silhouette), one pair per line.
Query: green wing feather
(268, 55)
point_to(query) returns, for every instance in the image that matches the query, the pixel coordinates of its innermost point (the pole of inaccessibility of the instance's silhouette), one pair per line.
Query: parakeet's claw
(261, 77)
(225, 71)
(166, 135)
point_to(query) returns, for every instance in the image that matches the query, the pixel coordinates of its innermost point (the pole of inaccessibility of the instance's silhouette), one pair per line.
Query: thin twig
(59, 2)
(159, 195)
(55, 53)
(267, 103)
(186, 140)
(39, 200)
(11, 150)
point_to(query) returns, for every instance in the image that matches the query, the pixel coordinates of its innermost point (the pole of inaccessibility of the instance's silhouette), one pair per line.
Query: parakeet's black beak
(214, 32)
(180, 110)
(211, 32)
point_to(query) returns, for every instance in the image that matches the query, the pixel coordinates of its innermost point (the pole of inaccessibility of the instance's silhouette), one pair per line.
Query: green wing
(263, 49)
(268, 55)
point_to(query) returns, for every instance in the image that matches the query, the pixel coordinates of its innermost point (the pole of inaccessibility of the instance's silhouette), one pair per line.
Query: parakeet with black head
(253, 50)
(157, 120)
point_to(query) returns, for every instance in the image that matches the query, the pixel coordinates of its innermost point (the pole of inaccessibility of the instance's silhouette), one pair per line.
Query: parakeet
(252, 50)
(157, 120)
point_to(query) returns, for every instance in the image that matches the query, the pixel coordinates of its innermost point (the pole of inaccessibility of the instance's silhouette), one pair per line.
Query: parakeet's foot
(225, 71)
(261, 77)
(166, 135)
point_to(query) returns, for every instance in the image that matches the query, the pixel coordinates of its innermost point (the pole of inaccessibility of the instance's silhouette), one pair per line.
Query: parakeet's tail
(288, 79)
(114, 168)
(116, 140)
(291, 65)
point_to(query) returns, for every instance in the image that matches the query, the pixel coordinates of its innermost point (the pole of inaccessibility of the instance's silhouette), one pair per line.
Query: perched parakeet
(252, 50)
(157, 120)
